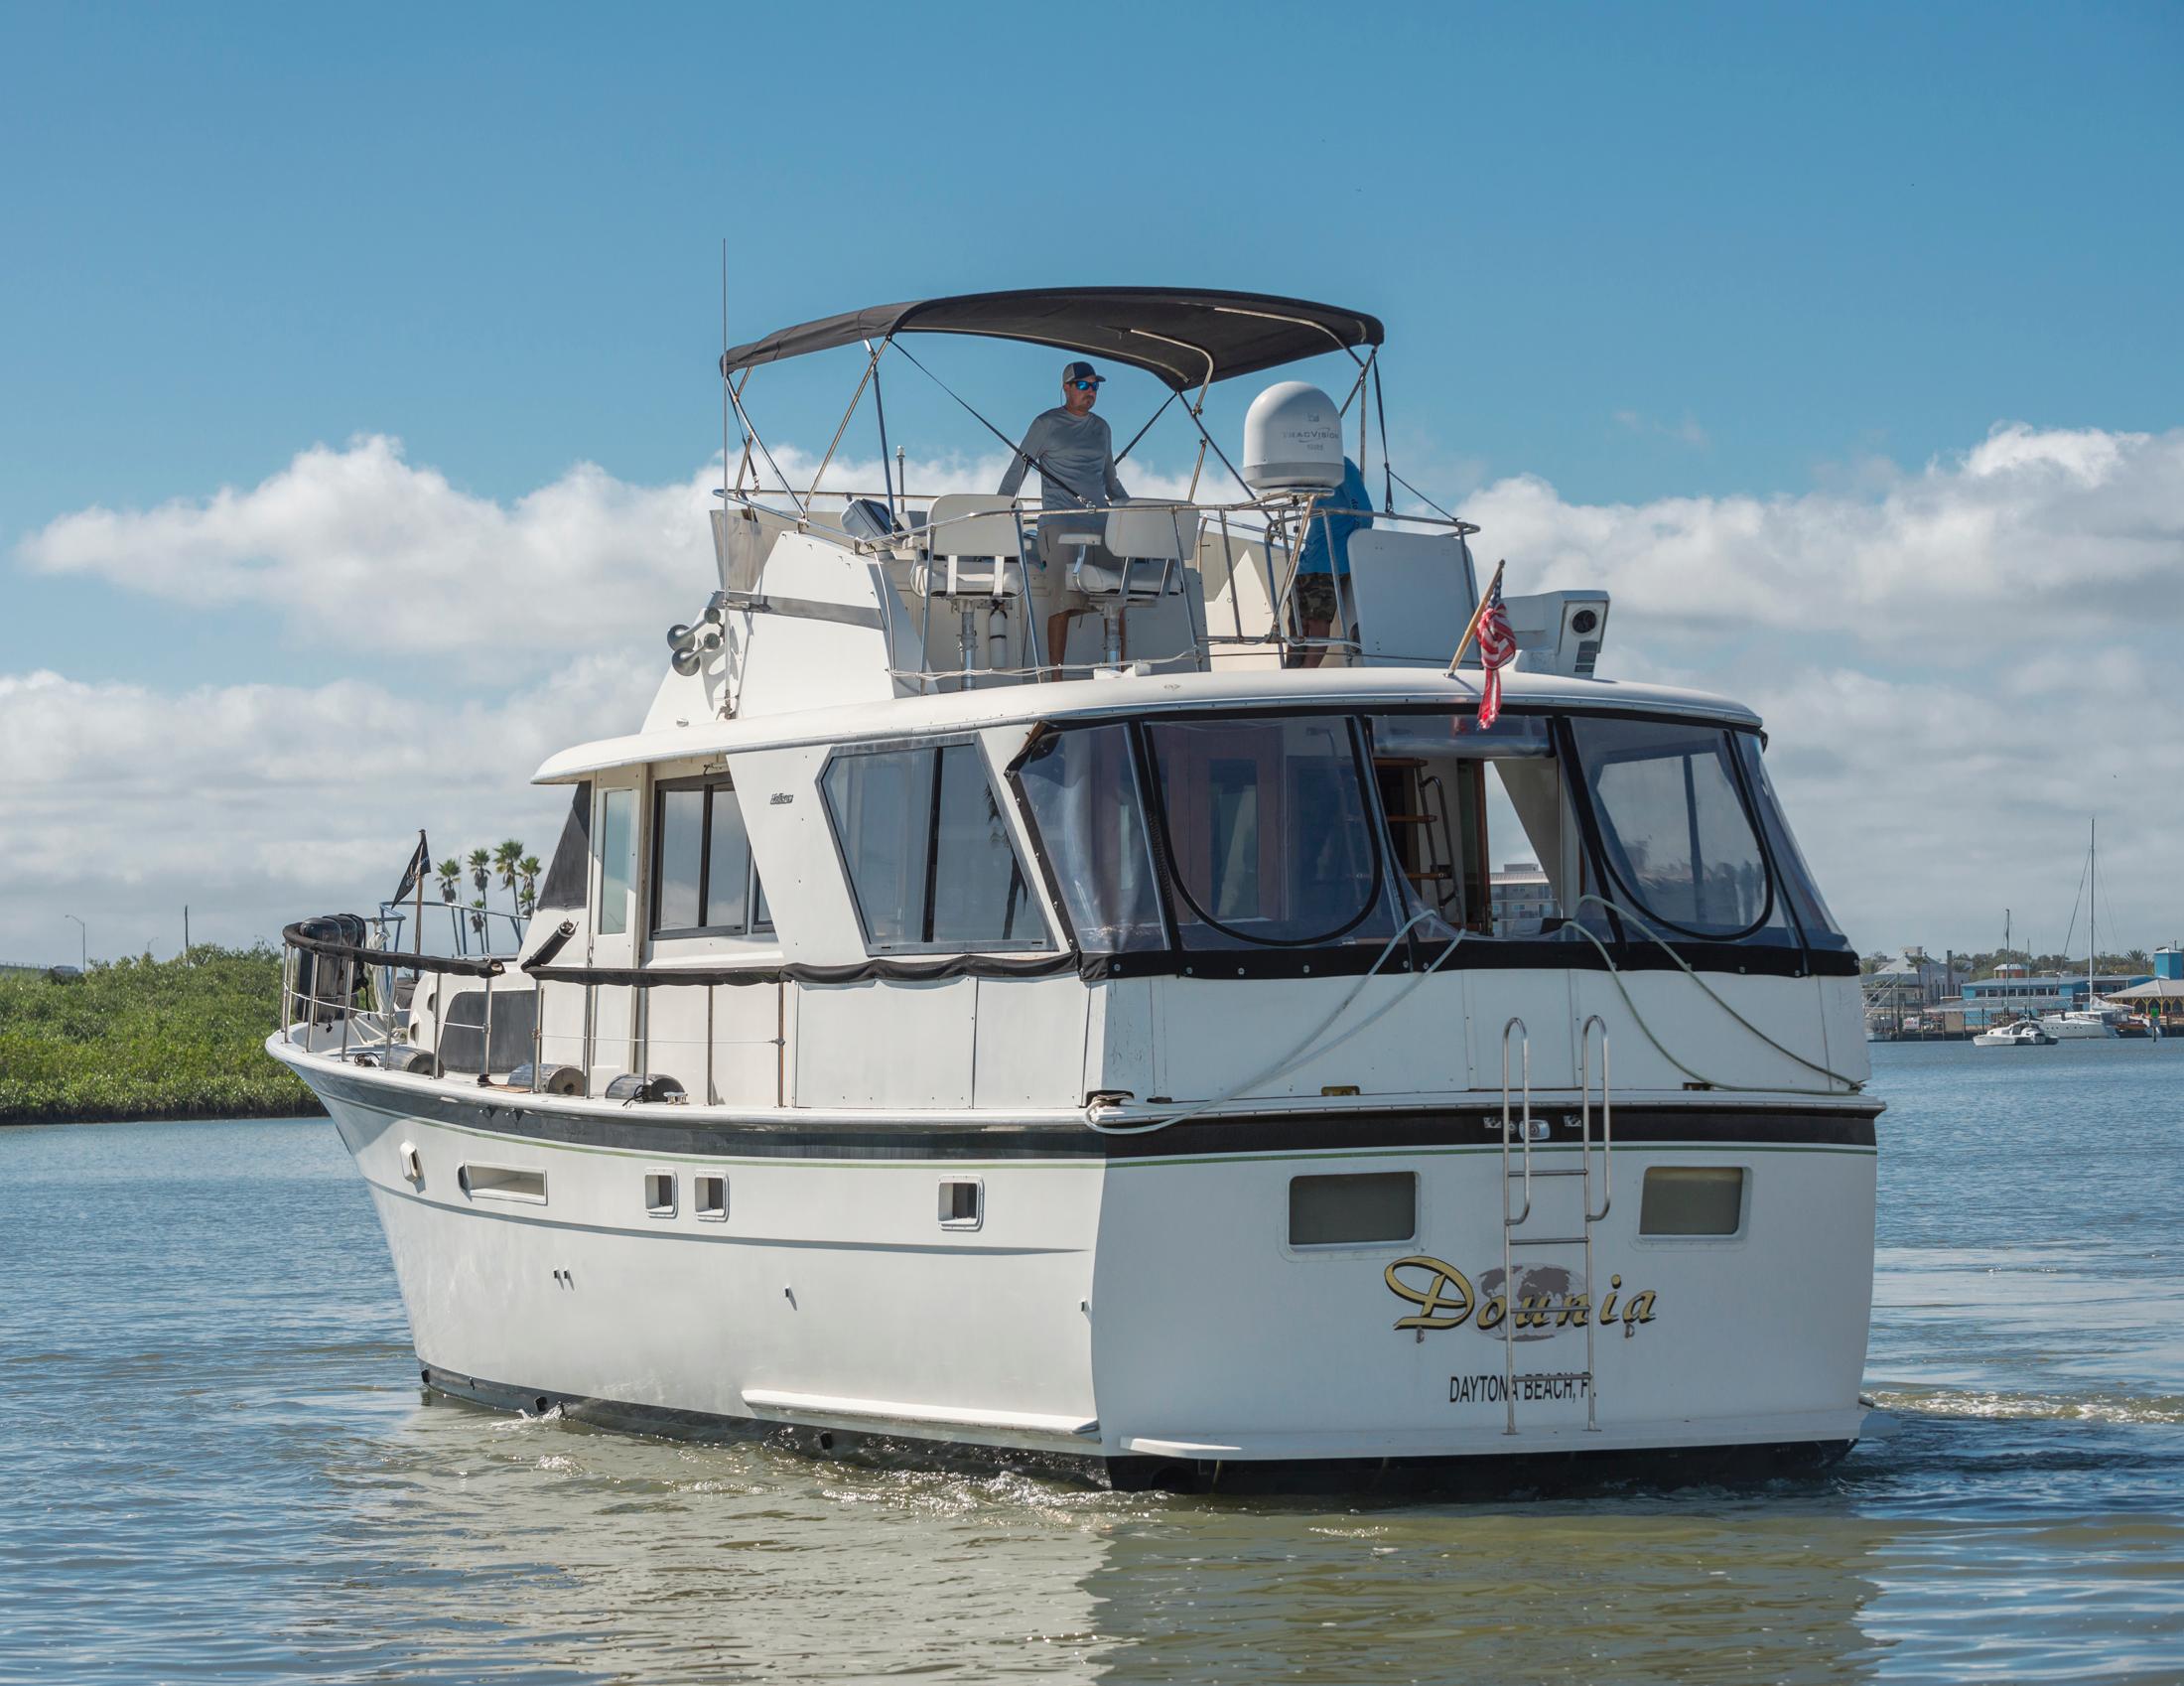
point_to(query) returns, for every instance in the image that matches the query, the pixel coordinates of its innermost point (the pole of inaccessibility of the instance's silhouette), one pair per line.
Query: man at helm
(1075, 456)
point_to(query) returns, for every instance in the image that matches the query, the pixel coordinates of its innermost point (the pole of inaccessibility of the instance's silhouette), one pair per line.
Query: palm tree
(527, 897)
(451, 877)
(504, 868)
(477, 916)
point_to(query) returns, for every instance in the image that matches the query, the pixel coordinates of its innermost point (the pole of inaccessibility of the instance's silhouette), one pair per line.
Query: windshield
(1317, 830)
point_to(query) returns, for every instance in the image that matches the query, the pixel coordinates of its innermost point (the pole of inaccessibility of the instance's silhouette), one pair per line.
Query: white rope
(1850, 1084)
(1307, 1048)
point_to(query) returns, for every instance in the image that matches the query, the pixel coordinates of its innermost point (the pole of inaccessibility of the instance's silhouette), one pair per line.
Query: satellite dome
(1292, 440)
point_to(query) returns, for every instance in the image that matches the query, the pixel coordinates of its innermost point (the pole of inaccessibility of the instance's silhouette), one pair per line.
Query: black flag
(420, 863)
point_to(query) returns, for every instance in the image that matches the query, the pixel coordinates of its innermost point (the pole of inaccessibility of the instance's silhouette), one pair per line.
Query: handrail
(295, 938)
(1607, 1184)
(1509, 1267)
(1607, 1115)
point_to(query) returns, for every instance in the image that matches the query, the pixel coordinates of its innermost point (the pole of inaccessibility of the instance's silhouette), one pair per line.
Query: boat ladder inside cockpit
(1415, 803)
(1540, 1310)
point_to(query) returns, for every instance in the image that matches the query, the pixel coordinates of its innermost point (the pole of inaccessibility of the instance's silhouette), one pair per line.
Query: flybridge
(954, 590)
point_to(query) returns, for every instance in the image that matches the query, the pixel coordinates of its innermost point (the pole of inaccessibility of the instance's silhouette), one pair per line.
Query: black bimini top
(1181, 338)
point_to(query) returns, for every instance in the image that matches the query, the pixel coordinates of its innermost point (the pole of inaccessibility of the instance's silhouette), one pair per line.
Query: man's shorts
(1315, 598)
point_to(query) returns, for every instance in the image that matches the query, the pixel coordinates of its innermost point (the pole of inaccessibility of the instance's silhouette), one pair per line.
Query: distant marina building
(1522, 899)
(2001, 999)
(1911, 980)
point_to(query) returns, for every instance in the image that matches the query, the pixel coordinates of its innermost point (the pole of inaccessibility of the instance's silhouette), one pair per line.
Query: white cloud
(2026, 533)
(257, 804)
(362, 537)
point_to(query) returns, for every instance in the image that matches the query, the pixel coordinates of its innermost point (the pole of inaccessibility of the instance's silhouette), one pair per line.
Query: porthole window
(659, 1193)
(709, 1198)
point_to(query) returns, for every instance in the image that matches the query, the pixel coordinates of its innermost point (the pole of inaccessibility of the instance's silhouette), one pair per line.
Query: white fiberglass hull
(2074, 1026)
(1141, 1311)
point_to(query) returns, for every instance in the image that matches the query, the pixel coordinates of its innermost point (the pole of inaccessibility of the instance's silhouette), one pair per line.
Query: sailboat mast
(2092, 902)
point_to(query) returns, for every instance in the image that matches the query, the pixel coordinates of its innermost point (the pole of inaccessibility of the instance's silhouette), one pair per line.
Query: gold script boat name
(1446, 1299)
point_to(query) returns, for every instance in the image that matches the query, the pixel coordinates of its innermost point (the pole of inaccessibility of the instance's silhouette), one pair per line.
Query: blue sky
(1717, 254)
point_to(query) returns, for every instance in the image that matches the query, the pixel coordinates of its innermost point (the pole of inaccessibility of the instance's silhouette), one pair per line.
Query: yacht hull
(1129, 1307)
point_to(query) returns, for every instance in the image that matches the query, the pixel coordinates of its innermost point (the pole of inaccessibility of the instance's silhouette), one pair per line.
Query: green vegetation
(147, 1039)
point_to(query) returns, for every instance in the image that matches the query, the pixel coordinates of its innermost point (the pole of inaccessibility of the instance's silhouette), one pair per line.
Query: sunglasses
(1084, 385)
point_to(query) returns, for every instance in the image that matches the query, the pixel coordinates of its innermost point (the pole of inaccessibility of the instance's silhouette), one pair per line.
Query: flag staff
(1470, 632)
(424, 866)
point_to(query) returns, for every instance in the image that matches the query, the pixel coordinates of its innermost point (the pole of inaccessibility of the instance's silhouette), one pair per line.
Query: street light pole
(83, 951)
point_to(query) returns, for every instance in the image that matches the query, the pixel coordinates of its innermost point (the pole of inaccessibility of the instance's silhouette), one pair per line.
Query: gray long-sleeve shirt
(1074, 450)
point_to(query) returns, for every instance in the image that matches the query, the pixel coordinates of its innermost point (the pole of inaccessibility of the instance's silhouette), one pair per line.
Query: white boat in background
(2095, 1022)
(1130, 1070)
(2025, 1032)
(2078, 1027)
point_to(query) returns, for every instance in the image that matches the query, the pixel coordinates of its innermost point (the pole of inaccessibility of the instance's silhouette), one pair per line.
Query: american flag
(1497, 648)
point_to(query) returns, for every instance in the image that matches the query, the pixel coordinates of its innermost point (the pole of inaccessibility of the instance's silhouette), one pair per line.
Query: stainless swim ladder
(1523, 1172)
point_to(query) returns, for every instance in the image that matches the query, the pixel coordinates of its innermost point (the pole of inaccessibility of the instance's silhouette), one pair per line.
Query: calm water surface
(216, 1466)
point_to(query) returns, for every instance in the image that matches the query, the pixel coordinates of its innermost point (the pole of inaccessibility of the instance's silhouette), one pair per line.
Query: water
(214, 1465)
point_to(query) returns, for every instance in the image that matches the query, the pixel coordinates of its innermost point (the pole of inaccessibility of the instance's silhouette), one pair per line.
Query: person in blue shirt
(1322, 589)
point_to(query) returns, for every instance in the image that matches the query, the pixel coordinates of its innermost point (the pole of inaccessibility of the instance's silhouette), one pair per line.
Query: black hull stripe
(1457, 1126)
(1475, 1473)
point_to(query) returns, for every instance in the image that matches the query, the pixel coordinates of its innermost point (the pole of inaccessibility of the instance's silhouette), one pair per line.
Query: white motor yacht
(1107, 1054)
(2078, 1027)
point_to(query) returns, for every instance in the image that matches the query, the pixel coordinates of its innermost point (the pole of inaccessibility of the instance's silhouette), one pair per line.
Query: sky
(359, 414)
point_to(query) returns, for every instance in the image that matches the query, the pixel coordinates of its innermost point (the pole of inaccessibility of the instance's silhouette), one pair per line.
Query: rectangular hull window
(1695, 1200)
(502, 1183)
(659, 1193)
(962, 1203)
(709, 1199)
(1353, 1210)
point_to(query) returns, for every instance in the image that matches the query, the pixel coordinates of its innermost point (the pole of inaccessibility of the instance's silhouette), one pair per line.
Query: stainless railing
(337, 998)
(1267, 533)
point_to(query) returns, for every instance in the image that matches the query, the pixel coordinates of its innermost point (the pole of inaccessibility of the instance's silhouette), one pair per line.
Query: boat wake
(2003, 1406)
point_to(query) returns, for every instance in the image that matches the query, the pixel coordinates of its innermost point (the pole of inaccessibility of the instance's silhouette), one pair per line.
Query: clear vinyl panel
(1269, 835)
(1679, 845)
(1082, 785)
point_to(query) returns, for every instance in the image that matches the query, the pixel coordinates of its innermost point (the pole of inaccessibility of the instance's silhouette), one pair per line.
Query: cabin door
(616, 911)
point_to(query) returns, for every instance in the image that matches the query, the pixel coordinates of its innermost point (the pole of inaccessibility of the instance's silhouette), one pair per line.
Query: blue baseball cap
(1081, 371)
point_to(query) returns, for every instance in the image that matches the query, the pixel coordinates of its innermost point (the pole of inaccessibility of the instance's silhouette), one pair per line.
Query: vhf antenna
(723, 376)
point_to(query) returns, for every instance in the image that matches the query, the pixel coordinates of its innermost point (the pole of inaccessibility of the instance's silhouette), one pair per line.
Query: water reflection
(619, 1558)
